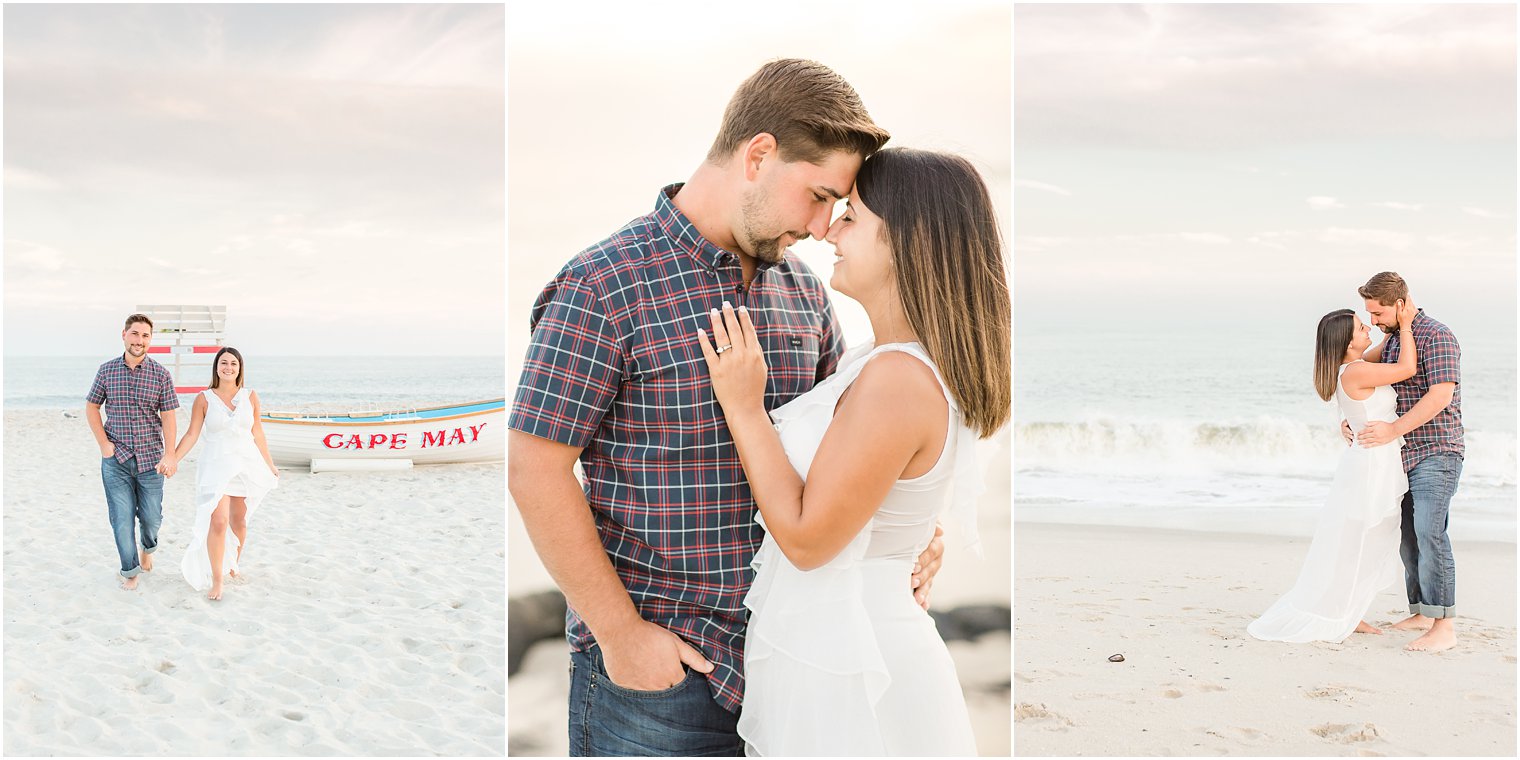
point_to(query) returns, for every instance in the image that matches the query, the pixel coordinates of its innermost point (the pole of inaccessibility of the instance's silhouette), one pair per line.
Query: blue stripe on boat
(402, 416)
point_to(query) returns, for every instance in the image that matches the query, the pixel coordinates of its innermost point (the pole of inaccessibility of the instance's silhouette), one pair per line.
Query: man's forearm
(1425, 409)
(97, 425)
(560, 525)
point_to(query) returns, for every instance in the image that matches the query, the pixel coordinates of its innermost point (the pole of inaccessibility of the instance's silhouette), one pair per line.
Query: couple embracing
(232, 475)
(1401, 400)
(747, 565)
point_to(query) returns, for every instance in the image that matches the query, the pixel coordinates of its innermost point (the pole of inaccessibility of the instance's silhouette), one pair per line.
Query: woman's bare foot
(215, 593)
(1366, 627)
(129, 584)
(1414, 623)
(1441, 636)
(146, 560)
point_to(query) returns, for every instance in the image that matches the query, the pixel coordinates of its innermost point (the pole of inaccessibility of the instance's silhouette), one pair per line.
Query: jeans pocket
(607, 682)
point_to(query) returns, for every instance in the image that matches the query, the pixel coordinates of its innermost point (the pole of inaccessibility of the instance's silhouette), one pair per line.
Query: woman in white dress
(854, 475)
(1355, 550)
(231, 477)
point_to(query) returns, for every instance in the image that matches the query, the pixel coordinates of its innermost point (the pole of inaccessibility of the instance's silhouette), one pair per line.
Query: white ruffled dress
(841, 661)
(1355, 551)
(229, 465)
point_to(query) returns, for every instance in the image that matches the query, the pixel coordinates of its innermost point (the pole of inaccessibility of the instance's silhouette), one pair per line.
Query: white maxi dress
(1355, 550)
(230, 465)
(840, 660)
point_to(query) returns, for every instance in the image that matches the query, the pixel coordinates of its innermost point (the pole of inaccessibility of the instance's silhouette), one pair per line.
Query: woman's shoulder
(898, 380)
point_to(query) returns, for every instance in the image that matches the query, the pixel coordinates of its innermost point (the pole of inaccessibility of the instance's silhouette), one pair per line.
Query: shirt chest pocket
(144, 392)
(666, 387)
(791, 357)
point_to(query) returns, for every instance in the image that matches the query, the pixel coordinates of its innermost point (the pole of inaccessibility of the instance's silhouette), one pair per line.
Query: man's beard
(766, 249)
(1388, 329)
(137, 350)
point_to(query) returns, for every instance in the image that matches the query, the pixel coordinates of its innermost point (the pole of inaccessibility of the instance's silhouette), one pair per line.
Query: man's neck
(705, 204)
(131, 362)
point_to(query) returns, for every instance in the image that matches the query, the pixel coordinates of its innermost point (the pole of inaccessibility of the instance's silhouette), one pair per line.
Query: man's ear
(759, 149)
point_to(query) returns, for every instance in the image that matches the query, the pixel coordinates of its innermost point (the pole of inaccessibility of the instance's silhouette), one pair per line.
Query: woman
(1355, 551)
(839, 659)
(232, 476)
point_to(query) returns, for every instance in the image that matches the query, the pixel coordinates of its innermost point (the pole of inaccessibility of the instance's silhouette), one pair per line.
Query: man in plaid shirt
(654, 554)
(138, 394)
(1430, 420)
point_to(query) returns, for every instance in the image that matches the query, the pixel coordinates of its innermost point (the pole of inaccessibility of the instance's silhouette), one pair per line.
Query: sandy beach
(369, 621)
(1193, 682)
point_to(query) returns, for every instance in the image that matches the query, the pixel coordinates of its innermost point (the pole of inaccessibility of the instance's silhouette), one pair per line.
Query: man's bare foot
(215, 594)
(129, 584)
(1366, 627)
(1414, 623)
(146, 561)
(1440, 637)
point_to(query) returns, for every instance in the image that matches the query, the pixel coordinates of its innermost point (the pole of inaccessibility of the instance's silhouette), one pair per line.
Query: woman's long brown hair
(1330, 342)
(948, 256)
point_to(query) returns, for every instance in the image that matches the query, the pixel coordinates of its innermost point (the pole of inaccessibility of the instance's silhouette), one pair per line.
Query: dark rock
(531, 619)
(968, 623)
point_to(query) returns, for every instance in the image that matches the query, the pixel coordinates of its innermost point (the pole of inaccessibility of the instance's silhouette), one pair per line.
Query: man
(138, 394)
(1430, 420)
(654, 555)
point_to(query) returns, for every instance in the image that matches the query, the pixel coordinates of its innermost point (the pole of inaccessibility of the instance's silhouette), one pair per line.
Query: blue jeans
(608, 720)
(1430, 573)
(132, 498)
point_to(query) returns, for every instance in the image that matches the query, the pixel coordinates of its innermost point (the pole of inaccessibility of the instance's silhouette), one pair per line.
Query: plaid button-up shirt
(614, 366)
(132, 400)
(1439, 357)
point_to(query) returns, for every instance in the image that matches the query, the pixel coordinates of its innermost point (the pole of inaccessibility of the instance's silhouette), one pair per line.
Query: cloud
(1323, 203)
(1367, 238)
(1483, 213)
(1172, 238)
(1398, 206)
(1455, 242)
(1033, 185)
(26, 179)
(24, 258)
(1185, 76)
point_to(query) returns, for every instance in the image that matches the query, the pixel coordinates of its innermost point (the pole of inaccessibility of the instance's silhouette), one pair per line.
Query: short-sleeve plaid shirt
(1438, 361)
(132, 399)
(614, 366)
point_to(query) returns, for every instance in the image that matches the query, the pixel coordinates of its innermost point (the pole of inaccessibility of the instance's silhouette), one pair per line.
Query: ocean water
(287, 383)
(1205, 430)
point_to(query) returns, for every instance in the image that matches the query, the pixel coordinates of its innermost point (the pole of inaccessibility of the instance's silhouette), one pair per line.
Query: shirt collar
(684, 235)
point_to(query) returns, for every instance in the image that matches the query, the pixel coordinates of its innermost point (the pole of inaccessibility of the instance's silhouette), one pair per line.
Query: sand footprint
(1177, 690)
(1346, 733)
(1029, 713)
(1336, 692)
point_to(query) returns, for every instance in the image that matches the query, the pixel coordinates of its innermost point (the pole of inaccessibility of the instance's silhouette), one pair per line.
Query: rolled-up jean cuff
(133, 572)
(149, 549)
(1432, 611)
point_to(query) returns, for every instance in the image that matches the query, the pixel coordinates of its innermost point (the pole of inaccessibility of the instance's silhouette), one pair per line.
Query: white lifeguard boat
(456, 433)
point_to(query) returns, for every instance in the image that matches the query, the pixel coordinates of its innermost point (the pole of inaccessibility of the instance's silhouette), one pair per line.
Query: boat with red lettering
(456, 433)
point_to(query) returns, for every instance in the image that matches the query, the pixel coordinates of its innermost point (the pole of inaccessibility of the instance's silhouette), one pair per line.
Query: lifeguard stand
(186, 339)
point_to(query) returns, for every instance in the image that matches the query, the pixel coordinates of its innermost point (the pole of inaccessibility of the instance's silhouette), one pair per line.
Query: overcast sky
(1202, 162)
(332, 174)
